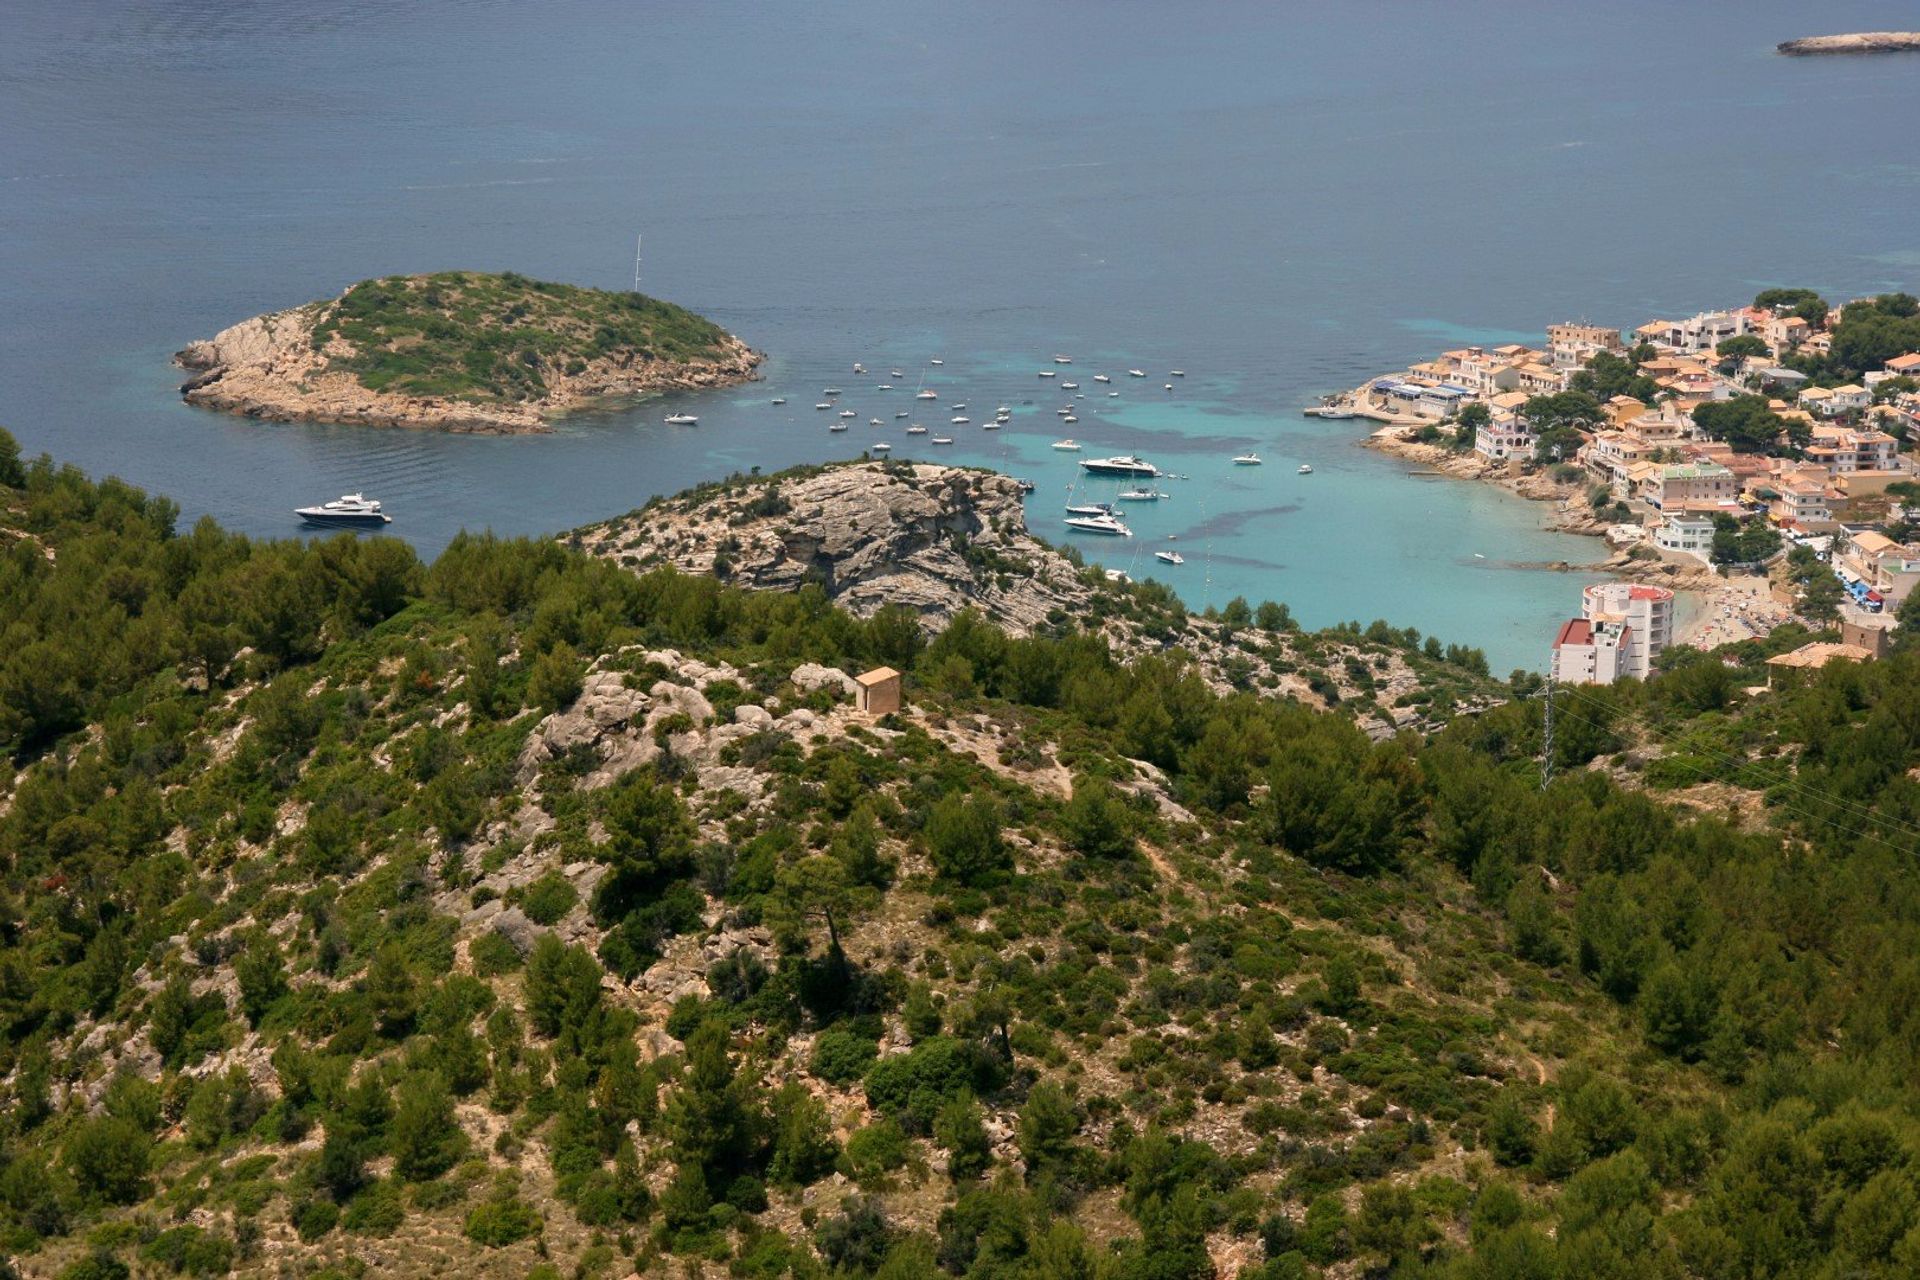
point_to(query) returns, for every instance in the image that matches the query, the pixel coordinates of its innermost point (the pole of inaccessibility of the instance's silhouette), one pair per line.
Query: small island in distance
(459, 351)
(1857, 42)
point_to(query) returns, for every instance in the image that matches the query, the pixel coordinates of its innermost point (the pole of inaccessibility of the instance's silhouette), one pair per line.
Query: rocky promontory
(1857, 42)
(940, 540)
(458, 351)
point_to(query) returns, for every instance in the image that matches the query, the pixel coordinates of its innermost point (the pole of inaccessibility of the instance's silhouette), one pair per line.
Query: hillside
(525, 915)
(458, 351)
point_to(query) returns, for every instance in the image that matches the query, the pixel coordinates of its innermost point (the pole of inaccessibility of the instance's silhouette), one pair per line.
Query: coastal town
(1754, 455)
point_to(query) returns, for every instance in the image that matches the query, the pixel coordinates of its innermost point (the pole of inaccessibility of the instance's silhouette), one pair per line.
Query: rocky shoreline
(268, 368)
(1856, 42)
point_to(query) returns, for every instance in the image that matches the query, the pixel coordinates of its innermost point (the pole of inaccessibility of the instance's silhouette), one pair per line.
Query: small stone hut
(878, 692)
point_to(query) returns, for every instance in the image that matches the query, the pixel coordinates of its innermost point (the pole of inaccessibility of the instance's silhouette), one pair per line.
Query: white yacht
(882, 447)
(1048, 373)
(1178, 373)
(1248, 459)
(936, 360)
(1063, 359)
(681, 420)
(779, 399)
(916, 430)
(959, 408)
(884, 386)
(960, 420)
(1136, 373)
(823, 405)
(943, 440)
(1099, 524)
(1069, 418)
(1113, 395)
(830, 391)
(848, 413)
(875, 422)
(1306, 469)
(1139, 495)
(1090, 509)
(902, 414)
(1069, 386)
(926, 395)
(1121, 465)
(995, 425)
(838, 426)
(348, 511)
(895, 373)
(1101, 377)
(858, 367)
(1068, 445)
(1002, 412)
(1171, 557)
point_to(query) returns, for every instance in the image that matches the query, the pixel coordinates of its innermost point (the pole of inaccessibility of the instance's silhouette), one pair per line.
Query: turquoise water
(1280, 199)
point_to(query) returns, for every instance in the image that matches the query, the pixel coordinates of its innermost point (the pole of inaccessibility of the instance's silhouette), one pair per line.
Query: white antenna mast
(636, 264)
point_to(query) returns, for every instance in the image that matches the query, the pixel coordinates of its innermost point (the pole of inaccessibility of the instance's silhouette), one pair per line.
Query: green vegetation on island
(520, 915)
(477, 336)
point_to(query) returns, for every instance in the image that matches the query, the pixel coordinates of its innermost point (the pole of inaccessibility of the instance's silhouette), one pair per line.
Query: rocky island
(459, 351)
(1856, 42)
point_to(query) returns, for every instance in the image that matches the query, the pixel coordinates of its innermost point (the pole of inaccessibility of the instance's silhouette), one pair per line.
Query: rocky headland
(1856, 42)
(937, 540)
(458, 351)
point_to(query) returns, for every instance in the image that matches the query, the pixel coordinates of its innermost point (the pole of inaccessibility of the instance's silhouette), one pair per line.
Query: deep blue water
(1279, 199)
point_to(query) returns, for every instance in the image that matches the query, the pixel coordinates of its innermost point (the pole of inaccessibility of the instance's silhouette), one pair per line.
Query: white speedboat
(1169, 386)
(1002, 412)
(1090, 509)
(848, 413)
(779, 399)
(348, 511)
(838, 426)
(1069, 386)
(1048, 373)
(916, 430)
(1121, 465)
(1118, 575)
(1139, 495)
(681, 420)
(902, 414)
(882, 447)
(1067, 446)
(926, 395)
(995, 425)
(1305, 469)
(1178, 373)
(1113, 395)
(936, 361)
(958, 408)
(858, 367)
(960, 420)
(1247, 460)
(830, 391)
(895, 373)
(943, 440)
(1063, 359)
(1136, 373)
(1101, 377)
(1099, 524)
(824, 405)
(1171, 557)
(875, 422)
(1069, 418)
(884, 386)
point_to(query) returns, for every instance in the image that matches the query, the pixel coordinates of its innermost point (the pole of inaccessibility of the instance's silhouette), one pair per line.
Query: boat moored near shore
(348, 511)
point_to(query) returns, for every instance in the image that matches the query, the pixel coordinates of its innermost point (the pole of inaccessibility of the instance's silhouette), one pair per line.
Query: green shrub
(549, 898)
(503, 1220)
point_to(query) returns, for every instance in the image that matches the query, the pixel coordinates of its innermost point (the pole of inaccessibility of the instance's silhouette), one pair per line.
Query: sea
(1278, 199)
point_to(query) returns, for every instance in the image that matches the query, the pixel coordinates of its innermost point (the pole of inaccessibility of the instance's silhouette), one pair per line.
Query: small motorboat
(1113, 395)
(1067, 446)
(1001, 411)
(1025, 486)
(958, 408)
(1136, 373)
(1063, 359)
(348, 511)
(1169, 386)
(1069, 386)
(1139, 495)
(875, 422)
(899, 415)
(926, 395)
(882, 447)
(943, 440)
(830, 391)
(848, 413)
(1305, 469)
(936, 361)
(916, 430)
(779, 399)
(858, 367)
(1048, 373)
(1247, 460)
(884, 386)
(1069, 418)
(681, 420)
(1171, 557)
(960, 420)
(895, 373)
(1178, 373)
(838, 426)
(823, 405)
(995, 425)
(1101, 377)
